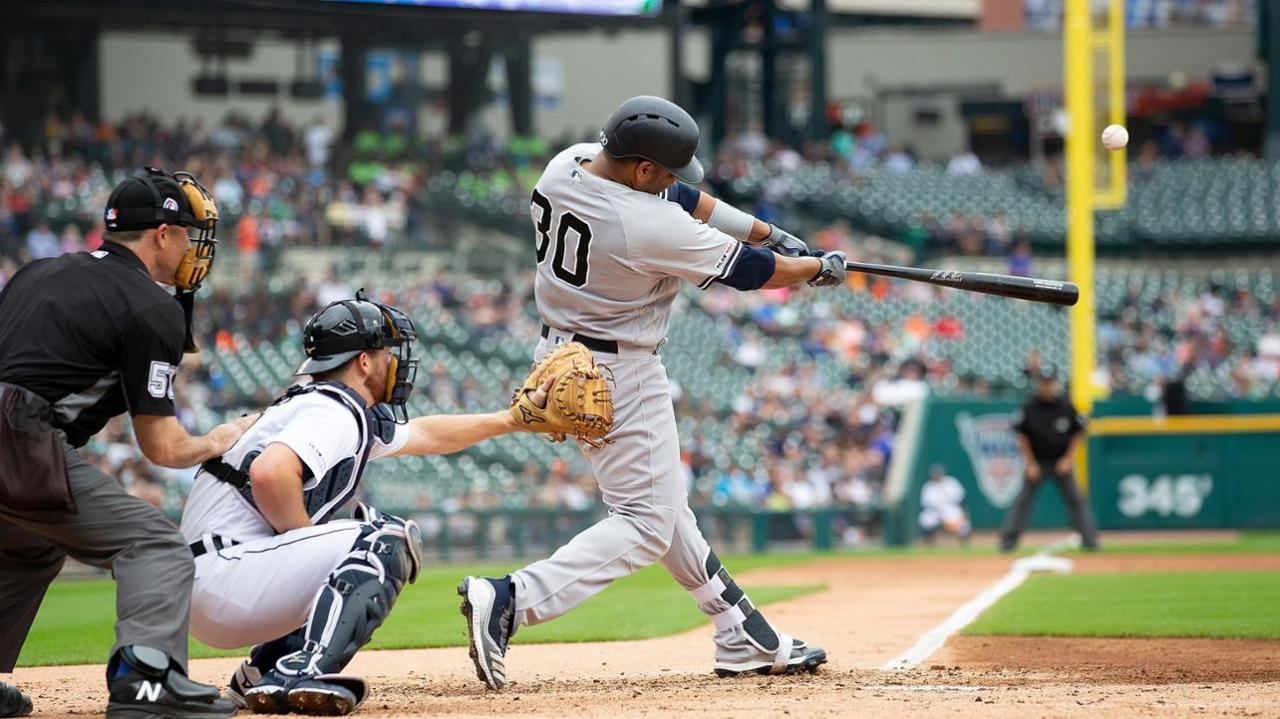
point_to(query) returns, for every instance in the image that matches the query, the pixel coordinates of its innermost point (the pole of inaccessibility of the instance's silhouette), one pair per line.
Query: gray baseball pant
(644, 488)
(111, 530)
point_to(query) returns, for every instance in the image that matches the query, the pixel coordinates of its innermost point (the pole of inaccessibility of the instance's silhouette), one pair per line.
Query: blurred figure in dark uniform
(1049, 431)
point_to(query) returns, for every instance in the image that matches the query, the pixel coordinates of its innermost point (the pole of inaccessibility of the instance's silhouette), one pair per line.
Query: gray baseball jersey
(610, 259)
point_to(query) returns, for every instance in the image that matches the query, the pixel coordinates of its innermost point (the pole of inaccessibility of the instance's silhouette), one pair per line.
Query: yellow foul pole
(1078, 65)
(1078, 44)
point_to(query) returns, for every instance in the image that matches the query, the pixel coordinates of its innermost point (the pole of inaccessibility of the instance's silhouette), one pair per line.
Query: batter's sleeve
(686, 196)
(674, 244)
(149, 356)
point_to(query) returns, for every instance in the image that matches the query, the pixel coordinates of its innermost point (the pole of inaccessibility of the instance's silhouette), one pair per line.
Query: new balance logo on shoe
(151, 690)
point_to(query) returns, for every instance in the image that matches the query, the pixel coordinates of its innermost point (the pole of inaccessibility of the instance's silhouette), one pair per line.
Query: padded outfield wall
(1219, 469)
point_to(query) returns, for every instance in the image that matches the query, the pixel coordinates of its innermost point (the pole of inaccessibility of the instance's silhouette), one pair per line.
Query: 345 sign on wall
(1165, 495)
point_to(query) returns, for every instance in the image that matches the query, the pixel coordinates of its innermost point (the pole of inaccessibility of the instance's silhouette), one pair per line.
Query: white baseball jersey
(328, 430)
(941, 501)
(610, 258)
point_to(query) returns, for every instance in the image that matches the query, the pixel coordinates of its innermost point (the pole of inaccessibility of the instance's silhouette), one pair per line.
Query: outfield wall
(1204, 471)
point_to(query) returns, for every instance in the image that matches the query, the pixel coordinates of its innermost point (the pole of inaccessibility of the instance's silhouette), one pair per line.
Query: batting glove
(833, 271)
(785, 243)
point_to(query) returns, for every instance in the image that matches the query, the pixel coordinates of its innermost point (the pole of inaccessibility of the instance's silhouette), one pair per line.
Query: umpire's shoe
(490, 608)
(746, 657)
(13, 703)
(145, 683)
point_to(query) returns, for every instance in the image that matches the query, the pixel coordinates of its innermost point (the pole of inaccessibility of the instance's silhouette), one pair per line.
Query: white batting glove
(833, 271)
(785, 243)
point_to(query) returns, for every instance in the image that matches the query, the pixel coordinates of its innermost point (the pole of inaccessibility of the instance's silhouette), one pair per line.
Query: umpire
(1049, 431)
(83, 338)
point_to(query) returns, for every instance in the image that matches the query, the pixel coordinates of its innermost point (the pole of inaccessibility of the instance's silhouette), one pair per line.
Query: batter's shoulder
(647, 214)
(575, 154)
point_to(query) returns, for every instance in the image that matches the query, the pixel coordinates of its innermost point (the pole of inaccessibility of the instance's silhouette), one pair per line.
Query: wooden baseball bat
(1022, 288)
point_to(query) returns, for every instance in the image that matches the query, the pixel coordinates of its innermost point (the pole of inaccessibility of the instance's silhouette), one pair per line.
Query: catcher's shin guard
(746, 642)
(354, 602)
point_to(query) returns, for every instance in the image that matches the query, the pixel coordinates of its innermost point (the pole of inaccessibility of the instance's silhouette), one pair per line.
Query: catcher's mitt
(578, 403)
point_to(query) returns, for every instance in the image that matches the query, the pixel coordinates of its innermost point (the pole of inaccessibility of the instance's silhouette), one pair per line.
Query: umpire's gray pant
(1081, 513)
(112, 530)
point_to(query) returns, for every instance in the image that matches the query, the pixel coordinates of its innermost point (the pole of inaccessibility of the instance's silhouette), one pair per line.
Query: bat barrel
(1032, 289)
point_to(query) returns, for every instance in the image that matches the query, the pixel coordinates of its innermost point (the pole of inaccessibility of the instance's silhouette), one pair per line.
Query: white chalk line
(932, 640)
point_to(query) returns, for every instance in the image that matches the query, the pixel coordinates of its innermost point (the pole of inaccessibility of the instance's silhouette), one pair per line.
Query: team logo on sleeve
(993, 451)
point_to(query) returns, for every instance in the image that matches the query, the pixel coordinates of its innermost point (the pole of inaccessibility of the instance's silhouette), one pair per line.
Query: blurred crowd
(818, 443)
(1221, 342)
(1047, 15)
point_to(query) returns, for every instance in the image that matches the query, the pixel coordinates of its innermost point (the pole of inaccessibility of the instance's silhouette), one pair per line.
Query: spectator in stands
(42, 243)
(899, 159)
(1020, 258)
(964, 163)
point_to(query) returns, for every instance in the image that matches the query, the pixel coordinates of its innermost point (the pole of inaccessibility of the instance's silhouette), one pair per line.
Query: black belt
(592, 343)
(198, 548)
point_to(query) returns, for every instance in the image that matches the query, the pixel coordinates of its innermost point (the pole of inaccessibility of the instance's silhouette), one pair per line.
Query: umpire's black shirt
(1048, 426)
(93, 334)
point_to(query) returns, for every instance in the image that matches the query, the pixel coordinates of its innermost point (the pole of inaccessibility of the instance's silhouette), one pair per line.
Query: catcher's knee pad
(357, 597)
(729, 606)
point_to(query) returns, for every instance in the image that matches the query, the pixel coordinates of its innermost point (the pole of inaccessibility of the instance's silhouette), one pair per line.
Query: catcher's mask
(157, 197)
(344, 329)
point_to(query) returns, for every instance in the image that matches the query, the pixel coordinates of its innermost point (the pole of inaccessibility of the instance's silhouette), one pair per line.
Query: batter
(619, 226)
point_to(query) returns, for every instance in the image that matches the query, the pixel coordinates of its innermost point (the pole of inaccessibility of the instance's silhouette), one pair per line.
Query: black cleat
(327, 695)
(269, 695)
(13, 703)
(152, 687)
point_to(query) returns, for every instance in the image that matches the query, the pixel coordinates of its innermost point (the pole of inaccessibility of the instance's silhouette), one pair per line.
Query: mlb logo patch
(170, 204)
(111, 214)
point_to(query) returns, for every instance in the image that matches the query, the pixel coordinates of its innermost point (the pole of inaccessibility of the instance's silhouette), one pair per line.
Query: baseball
(1115, 137)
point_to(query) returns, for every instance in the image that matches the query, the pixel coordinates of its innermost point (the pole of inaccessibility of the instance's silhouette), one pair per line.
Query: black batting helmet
(345, 328)
(656, 130)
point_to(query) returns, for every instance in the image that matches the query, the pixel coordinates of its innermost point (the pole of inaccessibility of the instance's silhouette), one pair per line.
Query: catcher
(272, 569)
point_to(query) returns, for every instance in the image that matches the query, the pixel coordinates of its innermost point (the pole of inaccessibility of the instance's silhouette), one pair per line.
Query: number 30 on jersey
(569, 222)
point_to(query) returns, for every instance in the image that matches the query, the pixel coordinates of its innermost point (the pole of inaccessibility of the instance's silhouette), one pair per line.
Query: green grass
(1237, 605)
(75, 623)
(1246, 543)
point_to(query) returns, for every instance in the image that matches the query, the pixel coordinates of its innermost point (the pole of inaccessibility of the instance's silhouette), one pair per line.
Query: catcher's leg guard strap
(355, 600)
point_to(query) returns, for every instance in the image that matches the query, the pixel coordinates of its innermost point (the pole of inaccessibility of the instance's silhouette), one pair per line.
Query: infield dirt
(873, 609)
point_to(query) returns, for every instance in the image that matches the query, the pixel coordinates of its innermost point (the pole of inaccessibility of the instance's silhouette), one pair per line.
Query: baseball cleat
(802, 658)
(269, 696)
(243, 680)
(327, 695)
(489, 606)
(13, 703)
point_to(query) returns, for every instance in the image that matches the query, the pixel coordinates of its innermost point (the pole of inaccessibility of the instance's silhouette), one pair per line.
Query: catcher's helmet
(656, 130)
(346, 328)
